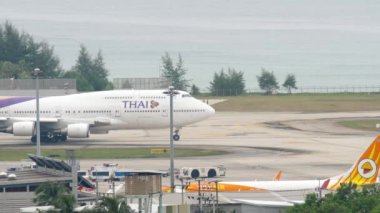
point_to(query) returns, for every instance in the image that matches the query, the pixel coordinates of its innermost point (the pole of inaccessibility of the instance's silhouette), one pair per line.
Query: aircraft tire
(61, 138)
(176, 137)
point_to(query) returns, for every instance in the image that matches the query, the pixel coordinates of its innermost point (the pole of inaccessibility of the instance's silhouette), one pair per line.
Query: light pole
(36, 72)
(74, 172)
(171, 93)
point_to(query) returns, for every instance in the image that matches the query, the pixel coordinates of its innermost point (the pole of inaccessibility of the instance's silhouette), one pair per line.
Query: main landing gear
(50, 138)
(176, 135)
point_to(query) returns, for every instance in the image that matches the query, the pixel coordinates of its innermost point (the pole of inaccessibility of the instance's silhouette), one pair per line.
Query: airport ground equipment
(200, 174)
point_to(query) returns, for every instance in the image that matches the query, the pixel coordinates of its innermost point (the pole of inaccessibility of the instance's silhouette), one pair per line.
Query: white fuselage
(108, 110)
(279, 185)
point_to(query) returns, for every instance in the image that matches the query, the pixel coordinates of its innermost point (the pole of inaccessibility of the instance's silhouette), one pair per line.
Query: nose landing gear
(176, 135)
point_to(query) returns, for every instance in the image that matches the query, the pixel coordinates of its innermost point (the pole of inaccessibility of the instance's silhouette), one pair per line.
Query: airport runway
(302, 145)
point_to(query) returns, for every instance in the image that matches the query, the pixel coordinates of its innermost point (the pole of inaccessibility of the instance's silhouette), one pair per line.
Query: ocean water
(324, 43)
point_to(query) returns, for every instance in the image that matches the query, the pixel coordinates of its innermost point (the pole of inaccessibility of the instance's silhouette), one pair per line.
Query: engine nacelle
(25, 128)
(12, 177)
(78, 130)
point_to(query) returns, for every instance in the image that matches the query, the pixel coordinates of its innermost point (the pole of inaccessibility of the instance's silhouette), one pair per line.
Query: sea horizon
(324, 43)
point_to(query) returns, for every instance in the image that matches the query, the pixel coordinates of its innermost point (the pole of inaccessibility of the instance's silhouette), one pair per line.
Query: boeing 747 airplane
(363, 172)
(79, 115)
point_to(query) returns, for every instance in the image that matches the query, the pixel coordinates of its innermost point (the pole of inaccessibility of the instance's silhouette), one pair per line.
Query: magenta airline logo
(140, 104)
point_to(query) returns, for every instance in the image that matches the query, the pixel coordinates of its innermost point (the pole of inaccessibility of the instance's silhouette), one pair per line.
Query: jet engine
(78, 130)
(25, 128)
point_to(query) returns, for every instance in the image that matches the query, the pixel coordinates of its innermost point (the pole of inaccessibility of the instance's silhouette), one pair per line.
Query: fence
(140, 83)
(44, 84)
(301, 90)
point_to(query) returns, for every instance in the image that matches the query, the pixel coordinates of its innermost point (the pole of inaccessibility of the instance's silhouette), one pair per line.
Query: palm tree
(65, 203)
(115, 205)
(56, 194)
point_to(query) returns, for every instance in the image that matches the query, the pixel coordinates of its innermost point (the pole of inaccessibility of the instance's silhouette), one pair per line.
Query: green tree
(376, 209)
(20, 50)
(290, 83)
(56, 194)
(82, 83)
(267, 81)
(82, 69)
(91, 74)
(347, 199)
(174, 73)
(114, 205)
(13, 44)
(219, 83)
(227, 84)
(12, 70)
(100, 74)
(236, 81)
(195, 90)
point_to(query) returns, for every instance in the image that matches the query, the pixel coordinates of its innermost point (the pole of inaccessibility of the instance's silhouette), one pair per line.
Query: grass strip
(106, 153)
(367, 125)
(300, 103)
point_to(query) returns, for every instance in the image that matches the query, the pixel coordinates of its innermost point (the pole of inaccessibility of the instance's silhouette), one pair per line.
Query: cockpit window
(186, 95)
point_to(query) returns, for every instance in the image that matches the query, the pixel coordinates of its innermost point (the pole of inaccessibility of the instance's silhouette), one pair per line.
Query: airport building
(18, 184)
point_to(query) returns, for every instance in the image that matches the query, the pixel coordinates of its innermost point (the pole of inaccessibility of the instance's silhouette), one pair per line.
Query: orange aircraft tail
(278, 176)
(364, 171)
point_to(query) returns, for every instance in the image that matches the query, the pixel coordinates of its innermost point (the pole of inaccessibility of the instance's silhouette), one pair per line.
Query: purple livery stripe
(10, 100)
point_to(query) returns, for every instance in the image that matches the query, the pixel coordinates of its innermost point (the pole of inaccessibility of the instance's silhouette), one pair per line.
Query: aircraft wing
(270, 203)
(19, 119)
(101, 121)
(55, 123)
(63, 127)
(7, 122)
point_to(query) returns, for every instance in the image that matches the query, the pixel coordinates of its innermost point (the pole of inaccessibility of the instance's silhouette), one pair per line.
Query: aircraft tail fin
(278, 176)
(364, 171)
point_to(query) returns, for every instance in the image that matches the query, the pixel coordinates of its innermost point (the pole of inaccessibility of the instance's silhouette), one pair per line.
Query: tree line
(225, 83)
(20, 54)
(348, 199)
